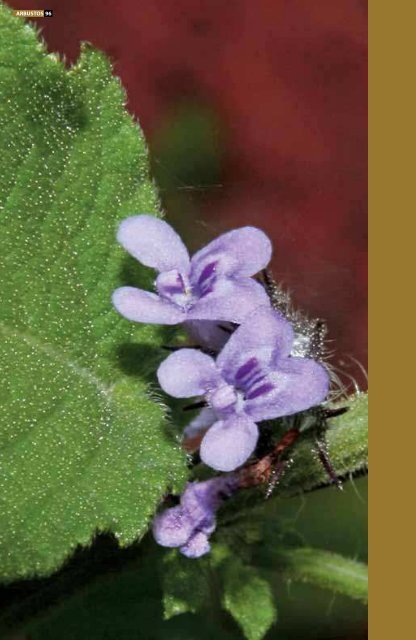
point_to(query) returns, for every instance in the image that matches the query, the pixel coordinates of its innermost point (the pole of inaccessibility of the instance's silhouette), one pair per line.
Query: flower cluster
(256, 375)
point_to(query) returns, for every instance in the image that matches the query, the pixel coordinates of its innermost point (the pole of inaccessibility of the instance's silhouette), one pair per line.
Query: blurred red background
(255, 113)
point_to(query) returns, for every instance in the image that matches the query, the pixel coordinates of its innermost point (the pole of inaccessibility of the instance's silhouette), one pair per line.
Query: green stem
(324, 569)
(347, 449)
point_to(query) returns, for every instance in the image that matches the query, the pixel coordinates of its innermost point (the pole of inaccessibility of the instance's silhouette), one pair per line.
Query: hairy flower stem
(269, 468)
(326, 462)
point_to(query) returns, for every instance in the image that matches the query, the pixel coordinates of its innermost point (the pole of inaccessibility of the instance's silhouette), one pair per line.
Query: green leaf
(185, 584)
(84, 446)
(326, 570)
(248, 598)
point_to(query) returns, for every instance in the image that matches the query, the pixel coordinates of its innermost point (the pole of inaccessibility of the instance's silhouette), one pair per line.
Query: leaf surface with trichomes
(84, 447)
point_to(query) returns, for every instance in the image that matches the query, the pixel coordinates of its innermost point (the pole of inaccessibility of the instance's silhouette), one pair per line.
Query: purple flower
(214, 285)
(254, 378)
(190, 524)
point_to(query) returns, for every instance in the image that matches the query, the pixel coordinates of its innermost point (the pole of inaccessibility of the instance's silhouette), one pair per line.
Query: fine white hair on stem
(360, 366)
(335, 371)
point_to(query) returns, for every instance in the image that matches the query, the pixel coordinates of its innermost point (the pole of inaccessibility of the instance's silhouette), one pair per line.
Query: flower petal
(154, 243)
(231, 300)
(241, 252)
(173, 527)
(228, 444)
(262, 335)
(200, 500)
(144, 306)
(205, 418)
(297, 385)
(187, 373)
(197, 546)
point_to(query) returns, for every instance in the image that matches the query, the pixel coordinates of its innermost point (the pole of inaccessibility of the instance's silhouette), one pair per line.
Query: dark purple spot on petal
(249, 375)
(246, 368)
(255, 379)
(207, 272)
(206, 280)
(259, 391)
